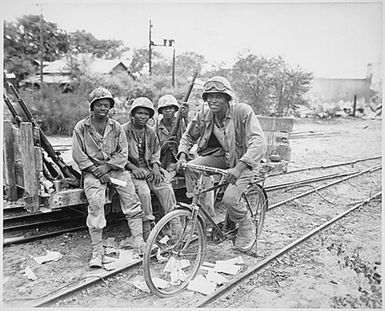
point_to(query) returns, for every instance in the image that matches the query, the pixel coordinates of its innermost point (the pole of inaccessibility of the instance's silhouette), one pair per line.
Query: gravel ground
(338, 268)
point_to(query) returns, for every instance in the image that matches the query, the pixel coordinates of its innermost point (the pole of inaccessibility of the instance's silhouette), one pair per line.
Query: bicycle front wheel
(181, 244)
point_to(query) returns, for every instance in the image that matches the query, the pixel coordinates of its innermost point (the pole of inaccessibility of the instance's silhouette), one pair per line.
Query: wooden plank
(275, 124)
(67, 198)
(30, 174)
(9, 161)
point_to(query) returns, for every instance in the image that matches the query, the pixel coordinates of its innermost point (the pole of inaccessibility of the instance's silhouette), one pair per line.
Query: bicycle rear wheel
(257, 203)
(181, 249)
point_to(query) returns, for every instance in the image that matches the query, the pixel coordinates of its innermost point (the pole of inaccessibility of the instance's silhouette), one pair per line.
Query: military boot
(246, 234)
(176, 229)
(97, 248)
(146, 229)
(136, 228)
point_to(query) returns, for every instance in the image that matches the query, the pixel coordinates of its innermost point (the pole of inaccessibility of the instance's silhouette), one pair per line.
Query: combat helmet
(217, 84)
(143, 102)
(100, 93)
(166, 101)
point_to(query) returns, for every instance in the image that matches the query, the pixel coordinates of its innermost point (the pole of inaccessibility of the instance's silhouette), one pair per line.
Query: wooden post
(30, 173)
(9, 161)
(354, 105)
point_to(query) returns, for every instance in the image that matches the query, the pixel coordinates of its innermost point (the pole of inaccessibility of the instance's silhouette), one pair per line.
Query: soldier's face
(168, 112)
(141, 116)
(101, 108)
(217, 102)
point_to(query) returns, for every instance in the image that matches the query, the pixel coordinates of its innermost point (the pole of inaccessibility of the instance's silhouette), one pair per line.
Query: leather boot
(146, 229)
(136, 228)
(246, 235)
(97, 248)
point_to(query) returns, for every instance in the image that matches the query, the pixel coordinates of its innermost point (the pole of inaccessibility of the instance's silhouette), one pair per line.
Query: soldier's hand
(104, 179)
(140, 173)
(182, 160)
(233, 175)
(101, 170)
(184, 111)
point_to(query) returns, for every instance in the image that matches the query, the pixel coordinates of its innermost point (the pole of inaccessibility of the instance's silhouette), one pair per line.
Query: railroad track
(257, 264)
(20, 227)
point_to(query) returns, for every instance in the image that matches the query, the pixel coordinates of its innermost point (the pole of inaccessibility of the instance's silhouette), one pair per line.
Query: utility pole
(150, 43)
(41, 47)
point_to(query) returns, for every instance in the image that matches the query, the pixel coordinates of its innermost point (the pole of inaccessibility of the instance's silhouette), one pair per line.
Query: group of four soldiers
(228, 135)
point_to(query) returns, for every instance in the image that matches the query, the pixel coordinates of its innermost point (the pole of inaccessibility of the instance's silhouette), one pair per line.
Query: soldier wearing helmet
(167, 107)
(144, 163)
(230, 137)
(100, 150)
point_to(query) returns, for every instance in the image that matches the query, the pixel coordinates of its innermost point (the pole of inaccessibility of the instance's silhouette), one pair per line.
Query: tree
(187, 63)
(82, 42)
(269, 85)
(22, 44)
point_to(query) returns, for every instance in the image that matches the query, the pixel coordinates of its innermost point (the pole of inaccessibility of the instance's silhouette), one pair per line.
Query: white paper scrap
(169, 265)
(215, 277)
(30, 274)
(128, 255)
(164, 240)
(201, 285)
(108, 259)
(237, 261)
(226, 268)
(160, 283)
(141, 284)
(51, 256)
(159, 256)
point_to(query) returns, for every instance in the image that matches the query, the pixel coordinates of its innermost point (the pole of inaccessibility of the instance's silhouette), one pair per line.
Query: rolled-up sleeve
(78, 147)
(118, 158)
(256, 142)
(189, 137)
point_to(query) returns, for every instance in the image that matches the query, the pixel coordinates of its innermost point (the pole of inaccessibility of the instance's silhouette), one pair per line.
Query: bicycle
(180, 236)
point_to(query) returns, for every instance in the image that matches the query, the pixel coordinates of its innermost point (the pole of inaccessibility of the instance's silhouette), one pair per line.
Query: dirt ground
(338, 268)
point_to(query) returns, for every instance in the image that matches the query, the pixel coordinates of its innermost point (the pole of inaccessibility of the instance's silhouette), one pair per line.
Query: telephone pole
(149, 48)
(41, 46)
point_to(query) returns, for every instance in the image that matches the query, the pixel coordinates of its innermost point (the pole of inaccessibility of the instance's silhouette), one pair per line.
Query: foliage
(82, 42)
(58, 113)
(269, 85)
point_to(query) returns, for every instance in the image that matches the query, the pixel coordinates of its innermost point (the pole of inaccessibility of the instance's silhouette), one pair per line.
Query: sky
(328, 38)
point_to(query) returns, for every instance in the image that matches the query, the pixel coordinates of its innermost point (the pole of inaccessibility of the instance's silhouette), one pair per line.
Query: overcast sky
(331, 39)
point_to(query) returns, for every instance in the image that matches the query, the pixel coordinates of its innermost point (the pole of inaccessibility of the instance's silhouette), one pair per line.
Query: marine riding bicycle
(180, 235)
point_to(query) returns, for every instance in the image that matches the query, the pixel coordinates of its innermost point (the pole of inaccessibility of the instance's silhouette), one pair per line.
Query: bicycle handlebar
(203, 168)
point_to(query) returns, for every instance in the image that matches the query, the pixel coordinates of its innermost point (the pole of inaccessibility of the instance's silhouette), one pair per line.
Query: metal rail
(252, 270)
(326, 166)
(308, 180)
(375, 168)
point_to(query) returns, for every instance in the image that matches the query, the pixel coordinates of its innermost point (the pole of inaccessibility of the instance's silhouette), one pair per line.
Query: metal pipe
(249, 272)
(323, 187)
(326, 166)
(308, 180)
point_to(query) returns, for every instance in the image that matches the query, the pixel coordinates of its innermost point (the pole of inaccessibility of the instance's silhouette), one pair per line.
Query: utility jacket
(164, 134)
(244, 134)
(91, 148)
(152, 148)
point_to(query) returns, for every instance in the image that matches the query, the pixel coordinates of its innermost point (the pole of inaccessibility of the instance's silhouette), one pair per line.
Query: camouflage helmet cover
(143, 102)
(166, 101)
(217, 84)
(100, 93)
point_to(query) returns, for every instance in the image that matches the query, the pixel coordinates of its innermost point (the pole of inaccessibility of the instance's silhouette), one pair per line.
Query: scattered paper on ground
(51, 256)
(164, 240)
(141, 284)
(159, 256)
(110, 250)
(215, 277)
(227, 268)
(237, 261)
(107, 259)
(125, 257)
(201, 285)
(30, 274)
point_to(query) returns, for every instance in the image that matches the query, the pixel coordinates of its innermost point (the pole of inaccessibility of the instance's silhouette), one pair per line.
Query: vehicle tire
(181, 251)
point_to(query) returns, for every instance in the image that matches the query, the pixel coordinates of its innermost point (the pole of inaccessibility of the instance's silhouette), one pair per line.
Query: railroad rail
(61, 293)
